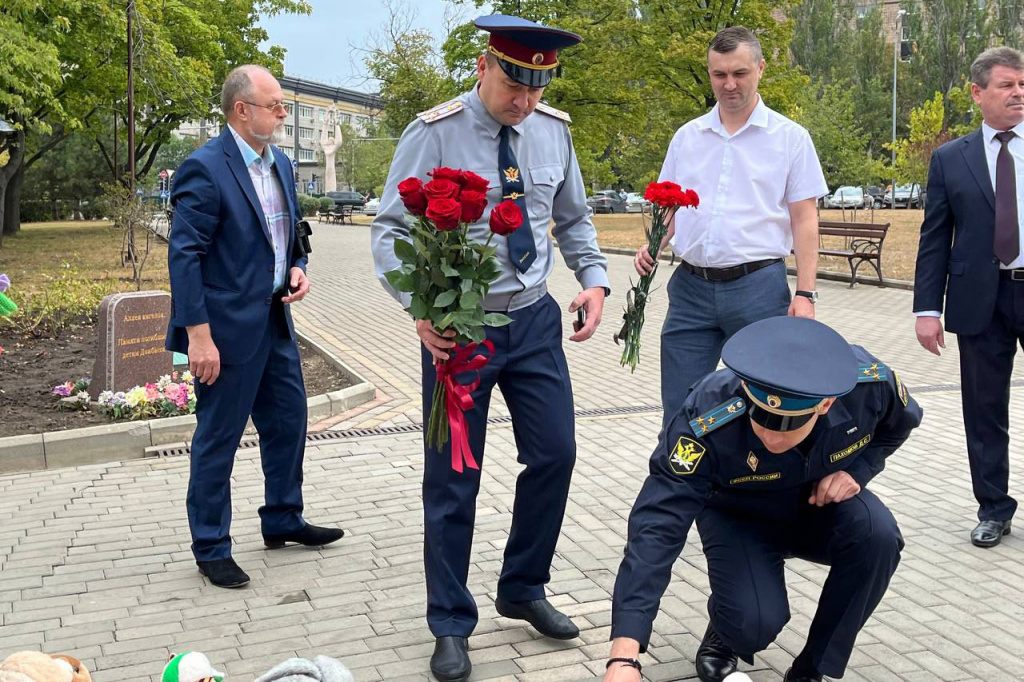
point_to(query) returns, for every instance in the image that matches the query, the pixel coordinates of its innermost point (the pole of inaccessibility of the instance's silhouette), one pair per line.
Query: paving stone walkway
(95, 560)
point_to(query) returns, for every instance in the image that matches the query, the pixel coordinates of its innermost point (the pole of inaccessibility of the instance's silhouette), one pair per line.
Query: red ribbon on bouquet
(459, 398)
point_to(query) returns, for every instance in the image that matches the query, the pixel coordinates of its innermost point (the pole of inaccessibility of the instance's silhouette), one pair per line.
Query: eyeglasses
(275, 108)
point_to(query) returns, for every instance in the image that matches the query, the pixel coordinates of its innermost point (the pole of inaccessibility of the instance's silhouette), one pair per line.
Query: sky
(325, 45)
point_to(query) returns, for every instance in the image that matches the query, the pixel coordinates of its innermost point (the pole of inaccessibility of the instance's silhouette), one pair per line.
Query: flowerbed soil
(31, 367)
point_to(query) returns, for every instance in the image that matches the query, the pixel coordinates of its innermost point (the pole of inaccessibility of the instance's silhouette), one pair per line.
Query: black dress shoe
(715, 660)
(790, 677)
(541, 615)
(223, 573)
(309, 535)
(989, 533)
(450, 662)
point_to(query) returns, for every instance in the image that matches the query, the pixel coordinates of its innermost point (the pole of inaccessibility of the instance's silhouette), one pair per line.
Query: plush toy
(6, 305)
(320, 669)
(79, 673)
(190, 666)
(34, 667)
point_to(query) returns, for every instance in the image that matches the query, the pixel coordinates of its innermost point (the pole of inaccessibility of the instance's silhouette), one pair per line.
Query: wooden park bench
(861, 243)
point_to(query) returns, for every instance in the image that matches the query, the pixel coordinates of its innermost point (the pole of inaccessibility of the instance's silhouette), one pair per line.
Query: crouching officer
(772, 458)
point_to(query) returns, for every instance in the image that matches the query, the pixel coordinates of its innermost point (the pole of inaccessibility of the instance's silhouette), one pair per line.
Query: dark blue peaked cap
(789, 365)
(526, 51)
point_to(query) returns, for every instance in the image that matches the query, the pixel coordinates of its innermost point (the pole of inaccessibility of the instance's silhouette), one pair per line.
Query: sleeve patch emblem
(685, 456)
(901, 389)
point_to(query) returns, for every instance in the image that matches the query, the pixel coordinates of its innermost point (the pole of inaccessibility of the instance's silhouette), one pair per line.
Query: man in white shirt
(758, 179)
(971, 258)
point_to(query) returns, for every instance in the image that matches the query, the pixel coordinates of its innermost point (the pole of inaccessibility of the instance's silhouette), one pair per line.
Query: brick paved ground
(95, 560)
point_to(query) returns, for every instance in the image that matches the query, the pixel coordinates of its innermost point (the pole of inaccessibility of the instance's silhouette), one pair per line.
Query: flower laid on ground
(72, 395)
(665, 198)
(448, 274)
(172, 395)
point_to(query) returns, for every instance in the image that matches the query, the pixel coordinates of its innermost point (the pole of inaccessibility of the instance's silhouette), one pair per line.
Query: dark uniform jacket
(709, 456)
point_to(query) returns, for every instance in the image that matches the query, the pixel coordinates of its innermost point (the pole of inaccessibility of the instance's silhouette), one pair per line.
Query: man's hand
(298, 284)
(203, 356)
(592, 302)
(642, 261)
(836, 487)
(929, 334)
(801, 306)
(437, 344)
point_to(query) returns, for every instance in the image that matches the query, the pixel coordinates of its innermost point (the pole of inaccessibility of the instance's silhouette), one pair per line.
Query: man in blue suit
(235, 264)
(971, 256)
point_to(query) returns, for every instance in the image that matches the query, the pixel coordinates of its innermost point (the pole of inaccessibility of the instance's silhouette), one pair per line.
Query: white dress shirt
(272, 201)
(1016, 147)
(746, 182)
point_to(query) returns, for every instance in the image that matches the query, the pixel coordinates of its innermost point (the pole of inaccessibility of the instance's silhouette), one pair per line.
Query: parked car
(371, 206)
(876, 193)
(607, 201)
(907, 196)
(847, 197)
(354, 199)
(635, 203)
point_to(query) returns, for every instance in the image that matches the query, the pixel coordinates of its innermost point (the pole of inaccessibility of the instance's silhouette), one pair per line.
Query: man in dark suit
(971, 256)
(235, 264)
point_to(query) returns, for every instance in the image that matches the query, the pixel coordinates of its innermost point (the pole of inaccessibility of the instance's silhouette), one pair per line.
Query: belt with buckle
(730, 273)
(1015, 275)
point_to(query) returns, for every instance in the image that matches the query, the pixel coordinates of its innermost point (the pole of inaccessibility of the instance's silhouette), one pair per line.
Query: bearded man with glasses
(236, 264)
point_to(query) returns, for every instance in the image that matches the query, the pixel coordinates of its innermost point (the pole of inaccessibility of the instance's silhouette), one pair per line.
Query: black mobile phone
(581, 316)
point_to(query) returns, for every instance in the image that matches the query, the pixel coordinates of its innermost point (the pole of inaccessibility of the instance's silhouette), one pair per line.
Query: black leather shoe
(450, 662)
(541, 615)
(989, 533)
(309, 535)
(790, 677)
(223, 573)
(715, 661)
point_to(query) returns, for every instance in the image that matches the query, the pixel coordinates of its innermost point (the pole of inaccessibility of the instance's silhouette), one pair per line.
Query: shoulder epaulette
(876, 371)
(712, 419)
(551, 111)
(441, 111)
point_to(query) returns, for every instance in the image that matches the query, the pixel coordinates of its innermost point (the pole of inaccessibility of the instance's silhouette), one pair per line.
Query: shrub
(326, 203)
(64, 300)
(308, 205)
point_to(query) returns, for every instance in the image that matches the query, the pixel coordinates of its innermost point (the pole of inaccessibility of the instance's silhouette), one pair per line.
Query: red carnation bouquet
(665, 198)
(448, 275)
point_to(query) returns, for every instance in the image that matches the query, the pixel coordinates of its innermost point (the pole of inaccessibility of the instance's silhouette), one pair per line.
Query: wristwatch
(813, 295)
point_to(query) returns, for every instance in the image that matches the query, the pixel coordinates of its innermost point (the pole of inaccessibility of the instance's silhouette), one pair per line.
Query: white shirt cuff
(928, 313)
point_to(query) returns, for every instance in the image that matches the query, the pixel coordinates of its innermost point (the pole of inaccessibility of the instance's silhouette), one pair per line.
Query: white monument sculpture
(330, 148)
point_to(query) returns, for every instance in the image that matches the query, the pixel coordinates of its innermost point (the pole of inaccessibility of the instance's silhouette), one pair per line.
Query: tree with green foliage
(927, 132)
(828, 111)
(66, 182)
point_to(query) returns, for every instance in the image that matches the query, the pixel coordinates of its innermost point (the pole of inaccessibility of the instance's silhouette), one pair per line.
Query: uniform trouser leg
(279, 415)
(535, 384)
(449, 505)
(701, 317)
(860, 540)
(222, 410)
(748, 605)
(986, 365)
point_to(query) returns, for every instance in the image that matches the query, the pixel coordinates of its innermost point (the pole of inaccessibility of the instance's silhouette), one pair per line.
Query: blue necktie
(521, 249)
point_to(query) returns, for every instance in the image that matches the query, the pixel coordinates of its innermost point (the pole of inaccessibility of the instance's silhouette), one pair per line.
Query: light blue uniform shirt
(468, 140)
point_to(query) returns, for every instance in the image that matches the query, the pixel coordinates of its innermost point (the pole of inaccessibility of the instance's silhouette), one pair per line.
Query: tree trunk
(3, 191)
(13, 169)
(12, 206)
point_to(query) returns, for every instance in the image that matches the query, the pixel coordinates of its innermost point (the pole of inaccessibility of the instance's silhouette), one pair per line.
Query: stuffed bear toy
(33, 666)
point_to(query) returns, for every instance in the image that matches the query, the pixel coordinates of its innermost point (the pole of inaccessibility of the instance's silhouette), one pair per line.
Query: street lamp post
(896, 46)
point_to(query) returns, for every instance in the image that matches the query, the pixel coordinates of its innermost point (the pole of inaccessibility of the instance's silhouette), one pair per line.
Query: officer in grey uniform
(501, 131)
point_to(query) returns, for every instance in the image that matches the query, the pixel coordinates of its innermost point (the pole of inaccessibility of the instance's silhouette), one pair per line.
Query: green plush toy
(191, 666)
(6, 305)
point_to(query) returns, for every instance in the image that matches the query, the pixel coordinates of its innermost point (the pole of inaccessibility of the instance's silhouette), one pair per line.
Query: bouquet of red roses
(448, 275)
(665, 198)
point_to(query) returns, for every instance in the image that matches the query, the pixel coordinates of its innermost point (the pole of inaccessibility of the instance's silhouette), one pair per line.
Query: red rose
(474, 182)
(441, 189)
(444, 173)
(445, 213)
(473, 205)
(411, 191)
(694, 200)
(506, 218)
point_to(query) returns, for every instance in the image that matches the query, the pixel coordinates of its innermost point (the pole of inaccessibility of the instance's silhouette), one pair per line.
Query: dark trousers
(269, 387)
(986, 364)
(530, 369)
(701, 317)
(858, 538)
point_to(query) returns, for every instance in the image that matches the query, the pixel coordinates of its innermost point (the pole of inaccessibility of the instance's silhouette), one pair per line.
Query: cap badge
(538, 58)
(773, 401)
